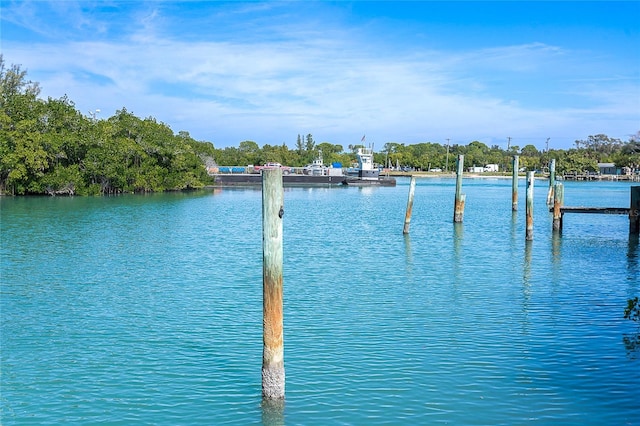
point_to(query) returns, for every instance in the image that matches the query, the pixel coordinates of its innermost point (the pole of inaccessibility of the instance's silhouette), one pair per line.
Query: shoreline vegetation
(48, 147)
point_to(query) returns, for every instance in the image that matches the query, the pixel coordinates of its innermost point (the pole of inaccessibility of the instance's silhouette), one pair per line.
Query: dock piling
(514, 183)
(407, 216)
(529, 210)
(634, 210)
(558, 202)
(273, 376)
(552, 181)
(458, 210)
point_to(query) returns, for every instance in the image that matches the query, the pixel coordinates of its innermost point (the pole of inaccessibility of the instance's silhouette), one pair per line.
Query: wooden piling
(407, 216)
(634, 210)
(558, 202)
(272, 307)
(514, 183)
(458, 209)
(529, 210)
(552, 181)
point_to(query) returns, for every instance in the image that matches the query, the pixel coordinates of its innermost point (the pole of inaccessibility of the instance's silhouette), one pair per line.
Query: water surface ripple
(148, 309)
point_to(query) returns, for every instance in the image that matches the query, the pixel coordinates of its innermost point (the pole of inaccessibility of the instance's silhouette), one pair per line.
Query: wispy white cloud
(335, 84)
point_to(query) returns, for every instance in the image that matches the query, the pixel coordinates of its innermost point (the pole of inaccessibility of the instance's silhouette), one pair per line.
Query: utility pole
(508, 142)
(548, 144)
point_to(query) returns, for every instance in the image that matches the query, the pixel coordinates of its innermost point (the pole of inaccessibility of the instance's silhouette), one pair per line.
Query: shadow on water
(273, 412)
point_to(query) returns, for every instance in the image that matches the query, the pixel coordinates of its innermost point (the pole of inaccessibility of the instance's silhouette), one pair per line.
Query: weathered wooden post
(530, 180)
(407, 216)
(552, 181)
(458, 210)
(634, 210)
(558, 202)
(514, 183)
(272, 306)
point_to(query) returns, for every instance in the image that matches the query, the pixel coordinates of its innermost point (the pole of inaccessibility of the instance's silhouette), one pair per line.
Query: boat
(367, 174)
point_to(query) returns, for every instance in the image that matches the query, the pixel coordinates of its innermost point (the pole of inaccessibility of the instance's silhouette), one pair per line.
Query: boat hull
(381, 181)
(246, 179)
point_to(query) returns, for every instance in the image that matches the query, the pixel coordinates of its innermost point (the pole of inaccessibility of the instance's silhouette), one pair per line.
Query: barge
(292, 179)
(315, 174)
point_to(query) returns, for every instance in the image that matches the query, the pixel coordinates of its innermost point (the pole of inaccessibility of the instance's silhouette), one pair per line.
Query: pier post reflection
(458, 234)
(514, 228)
(457, 260)
(273, 412)
(457, 240)
(556, 248)
(633, 265)
(526, 284)
(408, 253)
(631, 340)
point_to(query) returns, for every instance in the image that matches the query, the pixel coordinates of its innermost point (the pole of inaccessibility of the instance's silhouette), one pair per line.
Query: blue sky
(405, 72)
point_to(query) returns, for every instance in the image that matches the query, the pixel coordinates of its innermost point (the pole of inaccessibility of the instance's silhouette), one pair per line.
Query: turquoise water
(148, 309)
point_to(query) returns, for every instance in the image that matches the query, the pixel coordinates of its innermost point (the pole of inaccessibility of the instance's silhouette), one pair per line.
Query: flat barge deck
(245, 179)
(294, 179)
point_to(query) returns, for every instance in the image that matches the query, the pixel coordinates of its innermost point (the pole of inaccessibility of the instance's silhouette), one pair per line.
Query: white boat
(367, 172)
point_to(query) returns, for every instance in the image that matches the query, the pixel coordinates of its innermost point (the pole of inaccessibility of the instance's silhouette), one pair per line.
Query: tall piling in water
(458, 208)
(558, 202)
(514, 183)
(272, 305)
(552, 181)
(634, 210)
(407, 216)
(529, 231)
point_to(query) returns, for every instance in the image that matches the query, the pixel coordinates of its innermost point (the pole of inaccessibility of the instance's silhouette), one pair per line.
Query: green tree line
(431, 155)
(49, 147)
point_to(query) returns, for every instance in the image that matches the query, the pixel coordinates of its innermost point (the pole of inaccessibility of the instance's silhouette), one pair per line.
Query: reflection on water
(458, 233)
(631, 343)
(514, 223)
(159, 319)
(556, 246)
(273, 412)
(632, 262)
(526, 284)
(408, 254)
(632, 340)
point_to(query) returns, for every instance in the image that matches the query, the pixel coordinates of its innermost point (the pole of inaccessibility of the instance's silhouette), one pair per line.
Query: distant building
(607, 169)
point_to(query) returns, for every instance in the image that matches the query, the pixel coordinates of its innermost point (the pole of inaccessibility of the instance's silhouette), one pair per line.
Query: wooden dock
(633, 211)
(596, 210)
(598, 176)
